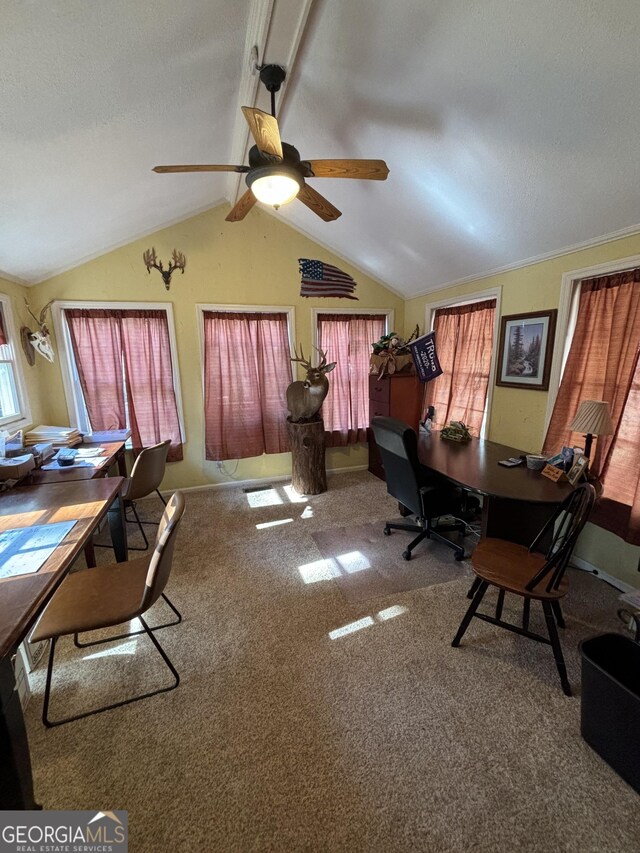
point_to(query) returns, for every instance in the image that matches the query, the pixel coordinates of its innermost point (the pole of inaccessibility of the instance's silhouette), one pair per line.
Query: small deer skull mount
(177, 262)
(305, 398)
(37, 342)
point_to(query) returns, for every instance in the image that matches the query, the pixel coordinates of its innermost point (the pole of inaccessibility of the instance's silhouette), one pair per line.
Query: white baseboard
(234, 484)
(584, 566)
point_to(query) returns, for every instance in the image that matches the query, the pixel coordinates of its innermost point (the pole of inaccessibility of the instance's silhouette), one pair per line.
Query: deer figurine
(41, 340)
(305, 397)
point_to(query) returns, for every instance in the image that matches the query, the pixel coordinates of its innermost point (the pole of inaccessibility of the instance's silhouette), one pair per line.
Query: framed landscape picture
(525, 350)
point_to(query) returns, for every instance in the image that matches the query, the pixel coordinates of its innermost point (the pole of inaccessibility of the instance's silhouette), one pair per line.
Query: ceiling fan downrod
(273, 77)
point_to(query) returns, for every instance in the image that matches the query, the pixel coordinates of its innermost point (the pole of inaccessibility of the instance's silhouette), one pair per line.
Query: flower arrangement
(391, 353)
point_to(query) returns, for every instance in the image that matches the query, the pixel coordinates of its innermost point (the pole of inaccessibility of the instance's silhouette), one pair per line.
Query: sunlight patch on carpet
(319, 570)
(273, 523)
(351, 628)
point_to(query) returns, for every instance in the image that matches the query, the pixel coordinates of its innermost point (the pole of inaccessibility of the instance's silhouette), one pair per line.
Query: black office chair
(423, 493)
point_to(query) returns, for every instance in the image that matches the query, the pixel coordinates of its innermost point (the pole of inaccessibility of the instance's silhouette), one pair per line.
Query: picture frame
(578, 469)
(526, 349)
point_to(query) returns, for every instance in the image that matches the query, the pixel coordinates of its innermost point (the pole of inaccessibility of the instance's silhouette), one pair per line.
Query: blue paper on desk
(24, 550)
(79, 462)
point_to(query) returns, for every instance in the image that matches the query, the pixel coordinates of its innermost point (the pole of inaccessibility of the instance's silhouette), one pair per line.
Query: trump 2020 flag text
(425, 357)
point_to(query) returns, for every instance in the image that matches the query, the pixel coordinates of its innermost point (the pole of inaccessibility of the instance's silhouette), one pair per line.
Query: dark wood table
(516, 501)
(113, 453)
(22, 597)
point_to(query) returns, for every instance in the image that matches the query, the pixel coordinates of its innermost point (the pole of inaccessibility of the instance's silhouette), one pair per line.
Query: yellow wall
(518, 415)
(33, 375)
(254, 262)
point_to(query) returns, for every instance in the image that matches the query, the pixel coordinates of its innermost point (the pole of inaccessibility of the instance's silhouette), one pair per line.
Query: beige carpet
(366, 565)
(304, 723)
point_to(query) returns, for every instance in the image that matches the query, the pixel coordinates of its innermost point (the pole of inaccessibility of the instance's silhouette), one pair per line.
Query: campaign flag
(320, 279)
(425, 357)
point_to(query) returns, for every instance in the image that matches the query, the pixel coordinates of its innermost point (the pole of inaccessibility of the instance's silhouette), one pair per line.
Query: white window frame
(567, 316)
(201, 307)
(23, 417)
(316, 312)
(469, 299)
(78, 416)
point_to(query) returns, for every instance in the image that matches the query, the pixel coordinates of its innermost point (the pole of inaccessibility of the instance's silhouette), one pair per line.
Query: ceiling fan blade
(242, 207)
(366, 170)
(318, 204)
(206, 168)
(265, 131)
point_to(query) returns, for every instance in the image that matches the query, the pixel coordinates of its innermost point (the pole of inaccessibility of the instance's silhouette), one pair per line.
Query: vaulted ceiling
(510, 129)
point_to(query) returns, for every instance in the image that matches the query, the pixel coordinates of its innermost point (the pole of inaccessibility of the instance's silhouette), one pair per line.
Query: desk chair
(536, 573)
(145, 477)
(408, 482)
(105, 596)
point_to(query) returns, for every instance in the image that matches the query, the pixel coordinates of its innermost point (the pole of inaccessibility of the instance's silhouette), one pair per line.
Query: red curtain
(247, 370)
(153, 410)
(3, 333)
(96, 338)
(464, 341)
(603, 365)
(123, 358)
(347, 339)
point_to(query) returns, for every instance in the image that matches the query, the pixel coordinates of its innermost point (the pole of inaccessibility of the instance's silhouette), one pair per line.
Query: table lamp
(592, 418)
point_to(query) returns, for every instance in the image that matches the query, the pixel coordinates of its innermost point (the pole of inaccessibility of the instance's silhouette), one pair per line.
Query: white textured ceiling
(511, 129)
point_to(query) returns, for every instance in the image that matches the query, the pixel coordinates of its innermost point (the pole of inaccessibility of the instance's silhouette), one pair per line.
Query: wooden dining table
(22, 597)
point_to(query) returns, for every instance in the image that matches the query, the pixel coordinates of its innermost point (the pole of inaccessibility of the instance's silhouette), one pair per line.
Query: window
(14, 408)
(346, 337)
(120, 371)
(465, 335)
(602, 364)
(247, 370)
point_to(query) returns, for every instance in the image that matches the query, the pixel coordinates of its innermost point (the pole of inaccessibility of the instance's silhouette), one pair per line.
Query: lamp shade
(592, 417)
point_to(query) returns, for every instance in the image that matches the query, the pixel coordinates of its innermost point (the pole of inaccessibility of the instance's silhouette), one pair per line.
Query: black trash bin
(610, 710)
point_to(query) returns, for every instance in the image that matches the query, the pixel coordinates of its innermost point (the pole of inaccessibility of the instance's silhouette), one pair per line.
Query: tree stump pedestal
(309, 473)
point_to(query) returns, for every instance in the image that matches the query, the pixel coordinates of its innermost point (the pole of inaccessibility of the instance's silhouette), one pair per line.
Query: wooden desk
(22, 598)
(113, 450)
(516, 501)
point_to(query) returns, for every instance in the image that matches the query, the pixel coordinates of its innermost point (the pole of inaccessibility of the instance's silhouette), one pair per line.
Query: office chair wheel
(406, 554)
(387, 531)
(459, 556)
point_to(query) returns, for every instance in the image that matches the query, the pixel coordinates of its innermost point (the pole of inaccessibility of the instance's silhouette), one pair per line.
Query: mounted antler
(40, 340)
(178, 262)
(43, 315)
(305, 398)
(306, 363)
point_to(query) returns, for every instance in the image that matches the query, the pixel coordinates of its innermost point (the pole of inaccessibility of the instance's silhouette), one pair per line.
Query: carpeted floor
(366, 565)
(304, 722)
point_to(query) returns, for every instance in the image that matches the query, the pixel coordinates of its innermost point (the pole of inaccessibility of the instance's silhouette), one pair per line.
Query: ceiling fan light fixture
(274, 185)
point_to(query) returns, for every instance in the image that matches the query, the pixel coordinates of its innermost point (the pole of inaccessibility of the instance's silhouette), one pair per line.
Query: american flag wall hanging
(320, 279)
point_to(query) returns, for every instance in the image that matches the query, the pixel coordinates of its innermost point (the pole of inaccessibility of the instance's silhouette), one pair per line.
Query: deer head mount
(177, 262)
(40, 341)
(304, 398)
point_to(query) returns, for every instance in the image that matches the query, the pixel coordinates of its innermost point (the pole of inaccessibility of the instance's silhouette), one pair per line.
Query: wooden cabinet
(397, 396)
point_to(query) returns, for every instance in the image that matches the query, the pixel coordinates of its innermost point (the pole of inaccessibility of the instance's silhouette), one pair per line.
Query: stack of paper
(109, 435)
(57, 436)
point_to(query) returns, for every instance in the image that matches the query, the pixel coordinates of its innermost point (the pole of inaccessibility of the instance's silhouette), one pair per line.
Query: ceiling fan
(276, 174)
